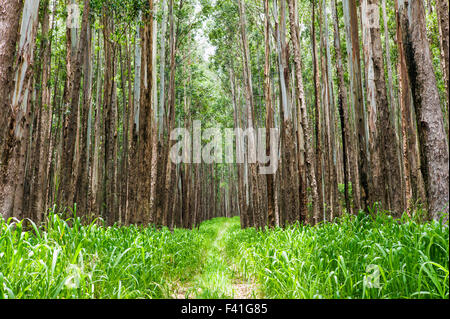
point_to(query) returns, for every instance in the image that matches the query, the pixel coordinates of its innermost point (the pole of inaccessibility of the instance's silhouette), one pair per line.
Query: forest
(313, 160)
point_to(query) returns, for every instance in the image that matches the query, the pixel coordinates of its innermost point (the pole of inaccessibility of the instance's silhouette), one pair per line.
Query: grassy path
(66, 259)
(218, 277)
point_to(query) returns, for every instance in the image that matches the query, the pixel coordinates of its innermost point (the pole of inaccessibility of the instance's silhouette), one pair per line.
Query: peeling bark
(433, 143)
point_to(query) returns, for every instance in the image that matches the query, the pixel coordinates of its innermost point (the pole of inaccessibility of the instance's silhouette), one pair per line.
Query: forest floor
(218, 277)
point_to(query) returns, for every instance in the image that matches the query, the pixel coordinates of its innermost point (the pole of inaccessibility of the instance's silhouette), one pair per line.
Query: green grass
(62, 261)
(332, 260)
(214, 281)
(65, 259)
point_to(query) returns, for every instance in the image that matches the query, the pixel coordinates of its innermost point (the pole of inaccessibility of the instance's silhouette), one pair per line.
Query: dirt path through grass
(218, 277)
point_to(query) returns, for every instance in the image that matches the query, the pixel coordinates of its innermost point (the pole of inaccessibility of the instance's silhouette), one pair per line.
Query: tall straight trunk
(134, 128)
(155, 72)
(442, 12)
(240, 167)
(108, 120)
(392, 100)
(11, 11)
(302, 170)
(162, 71)
(37, 157)
(127, 139)
(295, 38)
(156, 121)
(15, 143)
(161, 149)
(317, 122)
(90, 128)
(46, 117)
(97, 171)
(442, 8)
(170, 167)
(432, 137)
(31, 142)
(185, 168)
(114, 211)
(184, 201)
(331, 120)
(122, 174)
(35, 144)
(145, 123)
(290, 189)
(394, 110)
(74, 57)
(376, 186)
(347, 149)
(282, 106)
(54, 134)
(408, 134)
(198, 195)
(384, 145)
(269, 115)
(255, 204)
(357, 100)
(81, 186)
(176, 203)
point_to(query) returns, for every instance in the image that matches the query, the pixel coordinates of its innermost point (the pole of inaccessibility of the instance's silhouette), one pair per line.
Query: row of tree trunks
(107, 152)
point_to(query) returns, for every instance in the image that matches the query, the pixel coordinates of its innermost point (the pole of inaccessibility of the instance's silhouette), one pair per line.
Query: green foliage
(331, 260)
(66, 259)
(124, 10)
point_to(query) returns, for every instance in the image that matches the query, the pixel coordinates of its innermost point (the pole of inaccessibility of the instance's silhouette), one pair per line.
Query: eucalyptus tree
(430, 124)
(383, 143)
(17, 105)
(9, 36)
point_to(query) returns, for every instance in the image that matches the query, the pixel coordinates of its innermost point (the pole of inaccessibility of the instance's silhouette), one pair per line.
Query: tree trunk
(357, 100)
(305, 126)
(255, 204)
(433, 144)
(15, 143)
(45, 119)
(442, 14)
(384, 146)
(10, 13)
(408, 134)
(170, 167)
(81, 186)
(146, 121)
(330, 119)
(317, 122)
(269, 116)
(108, 120)
(347, 147)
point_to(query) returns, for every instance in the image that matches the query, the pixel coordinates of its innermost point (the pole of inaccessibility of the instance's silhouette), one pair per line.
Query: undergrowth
(65, 259)
(356, 257)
